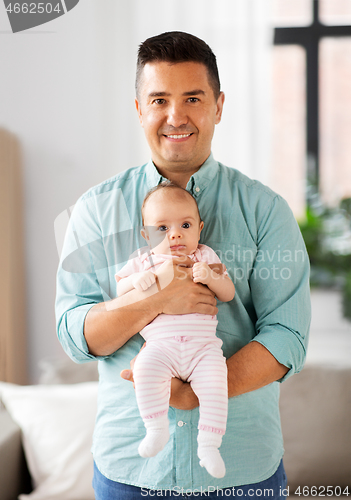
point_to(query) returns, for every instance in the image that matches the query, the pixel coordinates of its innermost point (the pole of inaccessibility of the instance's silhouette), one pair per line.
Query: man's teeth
(179, 136)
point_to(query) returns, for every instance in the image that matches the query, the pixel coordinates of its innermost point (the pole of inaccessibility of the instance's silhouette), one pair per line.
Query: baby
(183, 346)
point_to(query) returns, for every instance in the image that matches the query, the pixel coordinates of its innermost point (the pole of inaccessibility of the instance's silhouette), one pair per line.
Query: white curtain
(238, 32)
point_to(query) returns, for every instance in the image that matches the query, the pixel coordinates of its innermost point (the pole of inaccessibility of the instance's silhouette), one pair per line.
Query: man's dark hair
(176, 47)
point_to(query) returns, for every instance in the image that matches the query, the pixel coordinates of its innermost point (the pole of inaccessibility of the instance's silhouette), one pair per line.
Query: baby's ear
(144, 234)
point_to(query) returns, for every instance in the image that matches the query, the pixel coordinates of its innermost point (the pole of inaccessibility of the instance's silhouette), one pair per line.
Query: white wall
(53, 95)
(67, 92)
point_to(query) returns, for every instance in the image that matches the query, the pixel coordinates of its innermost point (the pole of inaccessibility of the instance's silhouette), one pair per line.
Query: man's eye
(193, 99)
(162, 228)
(186, 225)
(159, 101)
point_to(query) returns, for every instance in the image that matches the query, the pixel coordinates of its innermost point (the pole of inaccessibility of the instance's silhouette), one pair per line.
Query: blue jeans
(270, 489)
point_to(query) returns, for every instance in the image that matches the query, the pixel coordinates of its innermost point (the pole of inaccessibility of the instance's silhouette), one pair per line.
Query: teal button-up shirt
(256, 236)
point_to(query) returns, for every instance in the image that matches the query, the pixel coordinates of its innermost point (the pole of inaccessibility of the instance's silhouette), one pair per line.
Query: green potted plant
(327, 235)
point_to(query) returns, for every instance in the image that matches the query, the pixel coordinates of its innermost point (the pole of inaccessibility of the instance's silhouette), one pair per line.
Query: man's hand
(218, 268)
(178, 292)
(182, 395)
(128, 374)
(142, 281)
(202, 273)
(177, 268)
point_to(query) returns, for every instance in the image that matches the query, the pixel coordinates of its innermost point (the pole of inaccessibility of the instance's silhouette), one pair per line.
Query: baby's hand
(142, 281)
(202, 273)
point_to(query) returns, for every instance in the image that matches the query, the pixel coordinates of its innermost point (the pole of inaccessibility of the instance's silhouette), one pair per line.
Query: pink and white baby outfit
(183, 346)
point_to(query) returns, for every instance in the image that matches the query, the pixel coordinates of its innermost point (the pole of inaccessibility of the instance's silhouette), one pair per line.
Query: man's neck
(179, 176)
(181, 179)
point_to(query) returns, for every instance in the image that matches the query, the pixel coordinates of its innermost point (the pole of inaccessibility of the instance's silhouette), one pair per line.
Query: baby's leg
(152, 377)
(209, 382)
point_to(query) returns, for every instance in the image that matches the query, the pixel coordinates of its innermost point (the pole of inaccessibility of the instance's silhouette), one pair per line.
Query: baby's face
(172, 223)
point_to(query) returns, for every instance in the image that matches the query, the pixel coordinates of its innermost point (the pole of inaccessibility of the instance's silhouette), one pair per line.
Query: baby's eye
(162, 228)
(186, 225)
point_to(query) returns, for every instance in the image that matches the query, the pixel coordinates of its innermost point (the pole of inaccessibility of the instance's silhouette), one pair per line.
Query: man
(264, 328)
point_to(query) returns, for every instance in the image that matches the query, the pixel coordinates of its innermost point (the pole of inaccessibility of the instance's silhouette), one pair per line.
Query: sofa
(14, 474)
(47, 429)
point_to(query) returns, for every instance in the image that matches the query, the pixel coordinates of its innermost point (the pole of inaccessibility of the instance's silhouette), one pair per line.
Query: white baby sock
(208, 453)
(157, 436)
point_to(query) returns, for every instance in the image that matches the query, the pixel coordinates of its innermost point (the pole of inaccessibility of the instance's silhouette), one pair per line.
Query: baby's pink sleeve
(209, 256)
(133, 266)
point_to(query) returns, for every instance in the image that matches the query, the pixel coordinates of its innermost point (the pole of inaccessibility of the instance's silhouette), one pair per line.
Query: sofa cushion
(57, 423)
(315, 413)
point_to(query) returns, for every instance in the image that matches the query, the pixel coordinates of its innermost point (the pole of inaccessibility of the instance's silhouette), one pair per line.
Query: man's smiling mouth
(177, 136)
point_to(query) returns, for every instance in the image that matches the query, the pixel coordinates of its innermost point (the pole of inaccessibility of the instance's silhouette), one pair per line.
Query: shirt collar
(202, 178)
(197, 182)
(153, 176)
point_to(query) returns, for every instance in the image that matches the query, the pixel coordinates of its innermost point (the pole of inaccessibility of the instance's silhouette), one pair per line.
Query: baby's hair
(171, 186)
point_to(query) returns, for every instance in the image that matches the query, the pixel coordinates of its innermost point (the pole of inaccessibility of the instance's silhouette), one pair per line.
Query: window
(311, 99)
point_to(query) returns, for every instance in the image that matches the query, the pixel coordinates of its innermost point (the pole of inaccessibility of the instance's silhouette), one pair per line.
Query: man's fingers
(218, 268)
(183, 261)
(204, 290)
(127, 375)
(202, 308)
(202, 300)
(206, 299)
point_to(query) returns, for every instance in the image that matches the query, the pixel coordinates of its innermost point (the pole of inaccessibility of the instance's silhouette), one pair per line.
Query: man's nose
(176, 116)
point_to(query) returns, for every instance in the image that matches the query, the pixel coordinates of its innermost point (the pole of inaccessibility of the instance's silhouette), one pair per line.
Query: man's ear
(220, 102)
(138, 108)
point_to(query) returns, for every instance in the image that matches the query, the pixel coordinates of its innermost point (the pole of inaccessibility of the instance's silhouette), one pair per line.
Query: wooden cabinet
(13, 351)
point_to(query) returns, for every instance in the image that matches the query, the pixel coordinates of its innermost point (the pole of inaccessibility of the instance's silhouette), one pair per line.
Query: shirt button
(181, 423)
(197, 189)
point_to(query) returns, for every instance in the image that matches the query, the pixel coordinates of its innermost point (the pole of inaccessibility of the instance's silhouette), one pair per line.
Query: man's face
(178, 112)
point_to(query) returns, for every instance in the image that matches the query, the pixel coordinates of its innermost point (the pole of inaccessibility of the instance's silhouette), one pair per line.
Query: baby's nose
(175, 233)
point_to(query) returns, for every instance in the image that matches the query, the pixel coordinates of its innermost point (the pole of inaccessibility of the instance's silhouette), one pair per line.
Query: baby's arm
(140, 281)
(220, 284)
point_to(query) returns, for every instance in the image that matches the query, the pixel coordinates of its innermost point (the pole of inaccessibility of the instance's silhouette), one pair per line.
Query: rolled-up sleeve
(280, 287)
(77, 285)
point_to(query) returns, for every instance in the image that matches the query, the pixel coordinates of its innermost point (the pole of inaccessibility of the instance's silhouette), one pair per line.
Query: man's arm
(251, 368)
(108, 326)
